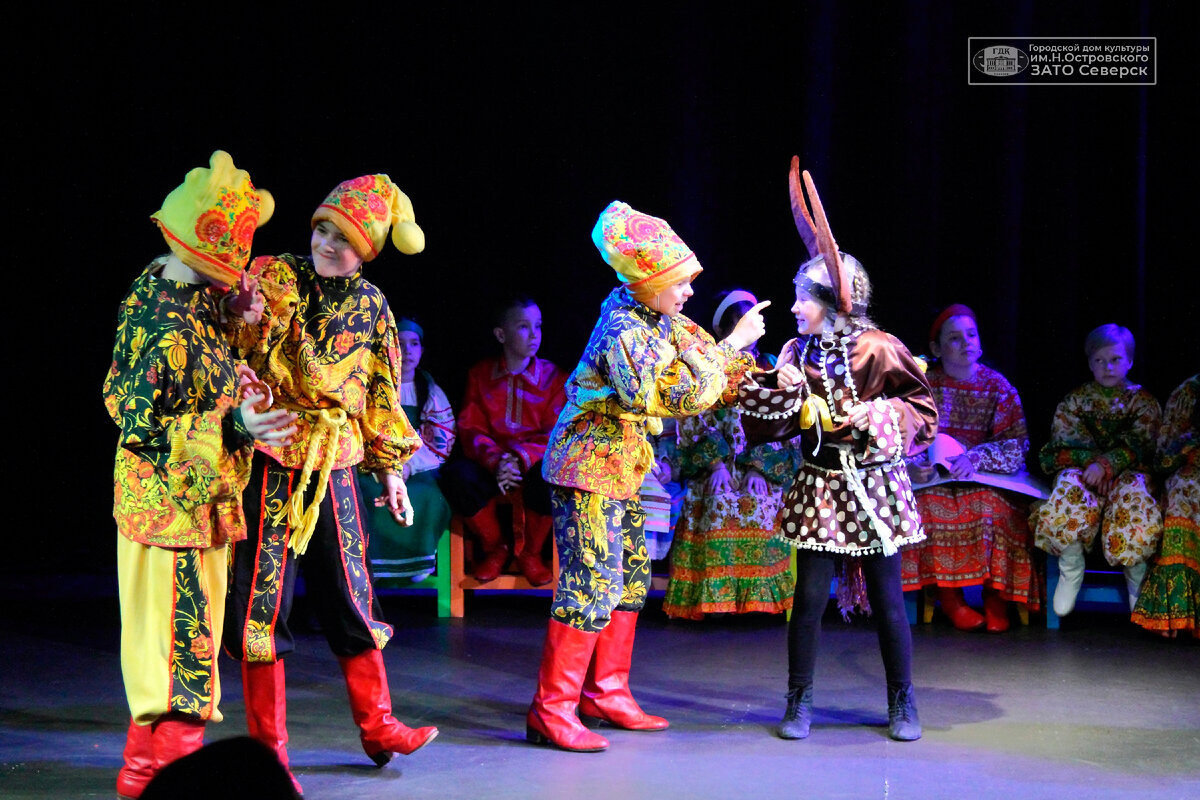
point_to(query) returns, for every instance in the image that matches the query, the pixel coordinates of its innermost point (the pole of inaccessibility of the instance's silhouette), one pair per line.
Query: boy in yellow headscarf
(645, 360)
(182, 462)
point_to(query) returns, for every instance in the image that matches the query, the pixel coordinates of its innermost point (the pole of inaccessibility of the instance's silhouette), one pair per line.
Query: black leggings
(814, 572)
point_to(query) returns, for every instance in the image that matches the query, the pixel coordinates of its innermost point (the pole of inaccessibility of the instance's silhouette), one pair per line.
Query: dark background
(1049, 209)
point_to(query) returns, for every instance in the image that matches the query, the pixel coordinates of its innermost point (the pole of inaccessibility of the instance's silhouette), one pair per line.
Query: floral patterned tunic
(329, 343)
(853, 494)
(1115, 428)
(638, 366)
(184, 457)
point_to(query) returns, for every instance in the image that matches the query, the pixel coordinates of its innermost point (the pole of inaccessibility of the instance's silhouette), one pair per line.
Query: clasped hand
(508, 473)
(264, 423)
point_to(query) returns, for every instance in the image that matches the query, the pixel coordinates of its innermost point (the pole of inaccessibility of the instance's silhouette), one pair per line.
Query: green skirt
(402, 556)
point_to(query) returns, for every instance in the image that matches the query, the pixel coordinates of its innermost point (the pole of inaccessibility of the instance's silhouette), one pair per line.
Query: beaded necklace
(829, 343)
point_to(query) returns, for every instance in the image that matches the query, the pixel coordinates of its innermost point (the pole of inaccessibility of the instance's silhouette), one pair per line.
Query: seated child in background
(1101, 447)
(1170, 597)
(510, 405)
(977, 535)
(725, 558)
(411, 553)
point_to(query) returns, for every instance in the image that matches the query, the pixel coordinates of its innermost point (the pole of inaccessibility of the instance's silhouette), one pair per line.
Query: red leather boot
(995, 610)
(139, 761)
(551, 718)
(263, 687)
(486, 528)
(606, 694)
(529, 560)
(961, 615)
(176, 736)
(382, 735)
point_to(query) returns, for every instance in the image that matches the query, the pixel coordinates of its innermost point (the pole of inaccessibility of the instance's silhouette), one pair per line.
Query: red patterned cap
(365, 208)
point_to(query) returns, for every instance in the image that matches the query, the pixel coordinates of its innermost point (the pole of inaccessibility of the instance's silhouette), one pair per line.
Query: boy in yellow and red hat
(327, 347)
(182, 462)
(645, 360)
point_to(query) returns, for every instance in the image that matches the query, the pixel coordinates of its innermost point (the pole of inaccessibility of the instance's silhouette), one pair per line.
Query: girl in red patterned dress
(977, 535)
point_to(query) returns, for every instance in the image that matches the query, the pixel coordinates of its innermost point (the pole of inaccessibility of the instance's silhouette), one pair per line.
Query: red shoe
(995, 610)
(961, 615)
(531, 566)
(529, 561)
(486, 528)
(138, 768)
(266, 709)
(551, 718)
(492, 564)
(606, 694)
(382, 735)
(176, 736)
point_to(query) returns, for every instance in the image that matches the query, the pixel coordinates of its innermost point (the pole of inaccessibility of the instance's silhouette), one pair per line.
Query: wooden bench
(439, 580)
(461, 581)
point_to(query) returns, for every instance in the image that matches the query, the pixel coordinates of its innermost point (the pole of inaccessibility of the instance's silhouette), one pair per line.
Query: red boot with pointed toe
(606, 694)
(138, 768)
(551, 718)
(263, 687)
(382, 735)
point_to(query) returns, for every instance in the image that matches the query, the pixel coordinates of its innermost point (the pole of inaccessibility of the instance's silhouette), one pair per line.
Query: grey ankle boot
(903, 723)
(798, 717)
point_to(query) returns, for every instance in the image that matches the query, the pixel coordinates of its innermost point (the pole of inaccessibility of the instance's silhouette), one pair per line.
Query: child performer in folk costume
(977, 535)
(183, 460)
(327, 347)
(726, 557)
(644, 360)
(1170, 598)
(1101, 446)
(860, 403)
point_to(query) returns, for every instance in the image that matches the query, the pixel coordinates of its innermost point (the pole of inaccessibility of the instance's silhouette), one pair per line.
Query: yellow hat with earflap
(209, 220)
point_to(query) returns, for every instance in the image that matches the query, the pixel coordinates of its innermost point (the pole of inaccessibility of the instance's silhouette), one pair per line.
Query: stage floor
(1097, 709)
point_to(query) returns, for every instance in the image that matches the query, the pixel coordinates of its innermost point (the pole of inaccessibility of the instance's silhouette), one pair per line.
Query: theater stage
(1097, 709)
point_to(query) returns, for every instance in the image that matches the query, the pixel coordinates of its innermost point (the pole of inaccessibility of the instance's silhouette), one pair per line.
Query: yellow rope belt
(327, 428)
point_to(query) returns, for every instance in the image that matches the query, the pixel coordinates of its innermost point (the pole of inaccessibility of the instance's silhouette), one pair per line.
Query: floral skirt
(975, 536)
(725, 558)
(1170, 597)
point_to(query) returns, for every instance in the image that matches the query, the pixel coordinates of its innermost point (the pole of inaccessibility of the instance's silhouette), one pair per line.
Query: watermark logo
(1000, 61)
(1069, 61)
